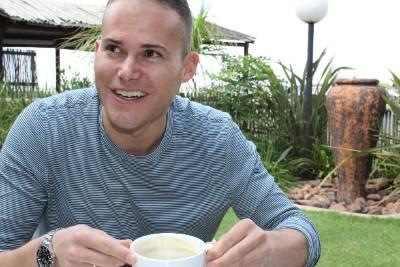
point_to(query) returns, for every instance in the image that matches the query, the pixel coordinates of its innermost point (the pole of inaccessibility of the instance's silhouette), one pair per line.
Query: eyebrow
(146, 46)
(110, 40)
(154, 46)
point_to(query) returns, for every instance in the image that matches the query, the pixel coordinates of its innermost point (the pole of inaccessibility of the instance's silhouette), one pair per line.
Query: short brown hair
(181, 7)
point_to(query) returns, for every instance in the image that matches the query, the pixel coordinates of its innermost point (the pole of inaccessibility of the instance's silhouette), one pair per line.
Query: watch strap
(48, 244)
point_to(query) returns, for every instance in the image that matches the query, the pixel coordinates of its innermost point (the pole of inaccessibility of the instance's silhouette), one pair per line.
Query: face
(140, 65)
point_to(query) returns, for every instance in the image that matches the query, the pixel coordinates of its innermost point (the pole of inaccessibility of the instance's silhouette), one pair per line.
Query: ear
(189, 66)
(96, 45)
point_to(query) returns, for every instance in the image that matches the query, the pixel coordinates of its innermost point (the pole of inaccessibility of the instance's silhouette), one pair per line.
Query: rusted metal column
(354, 110)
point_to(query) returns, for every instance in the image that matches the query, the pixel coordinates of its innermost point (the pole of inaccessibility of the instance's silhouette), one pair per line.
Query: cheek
(103, 72)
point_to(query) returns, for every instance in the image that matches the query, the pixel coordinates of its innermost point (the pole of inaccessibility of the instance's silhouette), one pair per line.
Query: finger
(130, 259)
(255, 241)
(256, 257)
(99, 241)
(227, 241)
(91, 257)
(126, 242)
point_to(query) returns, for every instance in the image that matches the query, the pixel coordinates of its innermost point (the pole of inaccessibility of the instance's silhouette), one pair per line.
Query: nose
(129, 70)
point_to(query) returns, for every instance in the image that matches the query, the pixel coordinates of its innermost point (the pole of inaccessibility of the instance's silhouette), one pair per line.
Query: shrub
(12, 102)
(387, 156)
(245, 88)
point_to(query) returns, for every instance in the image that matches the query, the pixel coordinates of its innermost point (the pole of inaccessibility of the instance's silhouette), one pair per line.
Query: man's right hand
(83, 246)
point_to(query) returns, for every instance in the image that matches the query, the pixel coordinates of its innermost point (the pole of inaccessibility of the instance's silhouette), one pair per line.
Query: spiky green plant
(278, 167)
(293, 107)
(83, 40)
(387, 157)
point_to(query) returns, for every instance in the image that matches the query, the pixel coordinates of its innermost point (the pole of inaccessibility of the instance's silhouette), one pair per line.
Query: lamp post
(311, 12)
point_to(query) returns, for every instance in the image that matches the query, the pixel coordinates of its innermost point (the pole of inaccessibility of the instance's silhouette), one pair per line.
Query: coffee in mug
(169, 249)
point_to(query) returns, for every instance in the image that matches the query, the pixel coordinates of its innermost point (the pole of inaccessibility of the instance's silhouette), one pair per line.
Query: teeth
(130, 93)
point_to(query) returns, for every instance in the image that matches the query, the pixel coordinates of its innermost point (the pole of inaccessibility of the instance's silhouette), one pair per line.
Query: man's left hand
(245, 244)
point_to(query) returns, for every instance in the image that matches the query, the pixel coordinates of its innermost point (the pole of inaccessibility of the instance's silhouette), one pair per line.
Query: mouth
(129, 95)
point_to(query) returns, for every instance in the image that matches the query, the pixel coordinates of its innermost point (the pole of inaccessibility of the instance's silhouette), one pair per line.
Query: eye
(112, 48)
(150, 53)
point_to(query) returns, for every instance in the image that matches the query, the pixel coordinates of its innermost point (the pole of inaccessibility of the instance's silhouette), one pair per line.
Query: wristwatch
(45, 256)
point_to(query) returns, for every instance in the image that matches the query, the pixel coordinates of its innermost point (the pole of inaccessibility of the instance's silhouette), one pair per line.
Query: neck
(139, 142)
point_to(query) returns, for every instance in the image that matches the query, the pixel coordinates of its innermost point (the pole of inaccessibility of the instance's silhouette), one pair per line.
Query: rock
(396, 207)
(338, 207)
(331, 196)
(306, 187)
(327, 185)
(375, 197)
(384, 192)
(308, 196)
(322, 202)
(315, 190)
(309, 202)
(388, 211)
(312, 193)
(355, 207)
(296, 194)
(315, 183)
(370, 189)
(390, 205)
(382, 184)
(371, 203)
(327, 190)
(374, 210)
(360, 201)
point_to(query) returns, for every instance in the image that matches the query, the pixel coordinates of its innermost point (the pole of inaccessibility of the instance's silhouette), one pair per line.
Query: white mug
(169, 250)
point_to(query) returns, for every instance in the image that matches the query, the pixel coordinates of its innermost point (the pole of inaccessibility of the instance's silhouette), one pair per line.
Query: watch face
(44, 258)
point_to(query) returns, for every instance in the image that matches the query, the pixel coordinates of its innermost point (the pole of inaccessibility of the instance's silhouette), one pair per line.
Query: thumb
(125, 242)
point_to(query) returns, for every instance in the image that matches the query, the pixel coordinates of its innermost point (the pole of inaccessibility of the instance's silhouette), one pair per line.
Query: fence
(20, 69)
(390, 123)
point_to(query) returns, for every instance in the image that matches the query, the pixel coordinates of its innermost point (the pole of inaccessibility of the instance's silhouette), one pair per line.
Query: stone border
(388, 216)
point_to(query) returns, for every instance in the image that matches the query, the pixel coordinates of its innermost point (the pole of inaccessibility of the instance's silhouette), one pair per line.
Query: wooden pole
(58, 70)
(2, 31)
(246, 49)
(33, 70)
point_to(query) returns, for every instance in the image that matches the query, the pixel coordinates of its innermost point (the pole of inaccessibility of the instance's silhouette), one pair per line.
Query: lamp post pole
(311, 12)
(308, 90)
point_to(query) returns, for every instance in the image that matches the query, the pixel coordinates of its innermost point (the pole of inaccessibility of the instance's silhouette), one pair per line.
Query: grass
(349, 240)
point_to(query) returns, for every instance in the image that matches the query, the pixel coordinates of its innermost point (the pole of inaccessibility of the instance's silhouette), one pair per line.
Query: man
(102, 167)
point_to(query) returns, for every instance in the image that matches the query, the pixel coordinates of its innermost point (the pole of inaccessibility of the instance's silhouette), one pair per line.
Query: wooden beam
(246, 49)
(33, 71)
(58, 70)
(2, 31)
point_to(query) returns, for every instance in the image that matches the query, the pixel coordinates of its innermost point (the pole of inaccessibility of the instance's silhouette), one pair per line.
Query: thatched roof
(39, 23)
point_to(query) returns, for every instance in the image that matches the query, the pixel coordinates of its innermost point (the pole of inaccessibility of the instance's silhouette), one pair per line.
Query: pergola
(37, 23)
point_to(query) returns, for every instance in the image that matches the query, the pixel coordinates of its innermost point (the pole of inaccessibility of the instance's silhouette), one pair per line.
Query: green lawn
(349, 241)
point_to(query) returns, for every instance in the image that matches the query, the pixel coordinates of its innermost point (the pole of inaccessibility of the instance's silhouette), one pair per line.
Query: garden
(269, 110)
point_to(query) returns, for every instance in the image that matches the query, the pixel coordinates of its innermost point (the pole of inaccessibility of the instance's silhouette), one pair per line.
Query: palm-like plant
(83, 40)
(204, 37)
(294, 104)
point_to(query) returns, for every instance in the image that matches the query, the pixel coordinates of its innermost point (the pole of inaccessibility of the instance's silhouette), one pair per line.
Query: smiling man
(98, 167)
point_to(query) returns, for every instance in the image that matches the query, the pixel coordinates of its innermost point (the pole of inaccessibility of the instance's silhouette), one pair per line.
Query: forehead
(138, 14)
